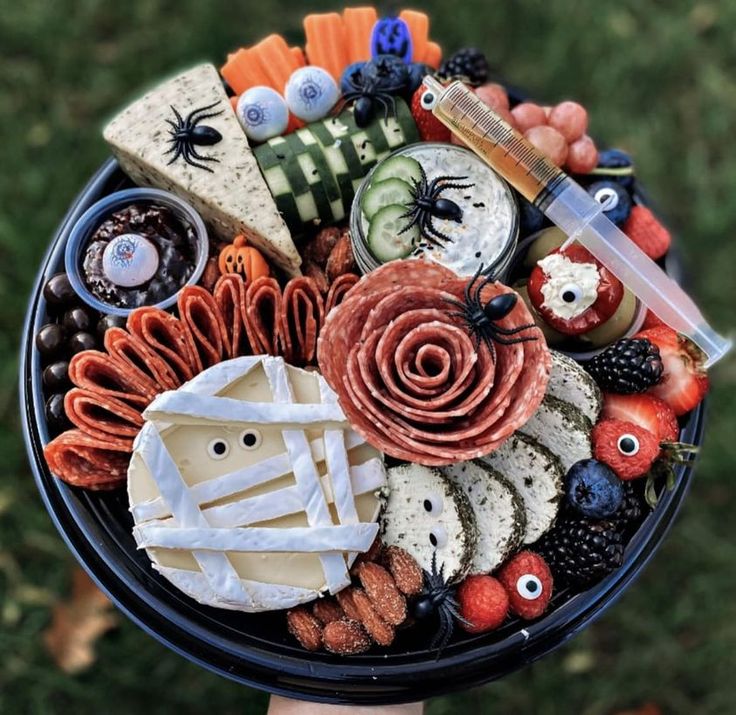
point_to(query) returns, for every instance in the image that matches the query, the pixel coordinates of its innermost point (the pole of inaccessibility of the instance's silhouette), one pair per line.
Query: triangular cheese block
(233, 197)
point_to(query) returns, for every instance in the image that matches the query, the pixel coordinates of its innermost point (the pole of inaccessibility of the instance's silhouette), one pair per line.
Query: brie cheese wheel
(249, 490)
(221, 179)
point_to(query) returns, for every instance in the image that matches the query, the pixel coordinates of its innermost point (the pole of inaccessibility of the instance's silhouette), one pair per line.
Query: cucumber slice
(385, 240)
(385, 193)
(398, 167)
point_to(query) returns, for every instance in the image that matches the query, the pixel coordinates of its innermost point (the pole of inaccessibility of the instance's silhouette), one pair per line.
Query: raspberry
(647, 232)
(483, 602)
(625, 447)
(528, 582)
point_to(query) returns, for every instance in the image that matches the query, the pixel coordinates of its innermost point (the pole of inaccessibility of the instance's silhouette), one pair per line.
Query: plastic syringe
(571, 208)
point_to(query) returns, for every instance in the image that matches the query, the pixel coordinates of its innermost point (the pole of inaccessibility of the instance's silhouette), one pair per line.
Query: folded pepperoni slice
(143, 362)
(204, 327)
(90, 462)
(338, 290)
(102, 416)
(229, 295)
(106, 376)
(262, 316)
(165, 335)
(302, 315)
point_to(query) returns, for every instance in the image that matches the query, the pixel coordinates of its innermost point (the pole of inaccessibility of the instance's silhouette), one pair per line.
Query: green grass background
(659, 79)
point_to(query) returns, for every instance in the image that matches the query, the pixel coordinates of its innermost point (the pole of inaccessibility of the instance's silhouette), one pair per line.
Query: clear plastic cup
(100, 211)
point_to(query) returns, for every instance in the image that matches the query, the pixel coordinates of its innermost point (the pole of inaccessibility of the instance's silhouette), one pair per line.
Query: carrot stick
(359, 22)
(298, 55)
(276, 60)
(242, 71)
(418, 23)
(433, 55)
(326, 48)
(234, 103)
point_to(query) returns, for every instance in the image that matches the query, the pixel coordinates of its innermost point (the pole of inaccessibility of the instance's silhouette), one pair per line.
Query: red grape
(550, 142)
(582, 155)
(570, 119)
(528, 115)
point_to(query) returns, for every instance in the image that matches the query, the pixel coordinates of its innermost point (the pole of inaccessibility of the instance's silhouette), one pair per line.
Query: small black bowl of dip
(134, 248)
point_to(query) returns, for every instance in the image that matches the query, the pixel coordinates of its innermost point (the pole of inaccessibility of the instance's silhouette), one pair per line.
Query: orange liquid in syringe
(499, 144)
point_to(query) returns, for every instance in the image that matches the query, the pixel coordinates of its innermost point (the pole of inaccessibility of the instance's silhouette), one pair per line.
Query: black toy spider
(428, 203)
(480, 319)
(438, 596)
(376, 84)
(188, 133)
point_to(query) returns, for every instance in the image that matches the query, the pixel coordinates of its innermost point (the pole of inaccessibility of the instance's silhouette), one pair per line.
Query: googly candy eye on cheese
(248, 488)
(229, 193)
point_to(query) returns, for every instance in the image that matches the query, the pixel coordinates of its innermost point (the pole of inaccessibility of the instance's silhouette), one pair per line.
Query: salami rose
(411, 376)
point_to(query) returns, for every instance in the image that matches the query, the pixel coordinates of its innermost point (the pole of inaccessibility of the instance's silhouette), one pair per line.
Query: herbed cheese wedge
(428, 513)
(499, 512)
(569, 382)
(233, 197)
(536, 474)
(563, 429)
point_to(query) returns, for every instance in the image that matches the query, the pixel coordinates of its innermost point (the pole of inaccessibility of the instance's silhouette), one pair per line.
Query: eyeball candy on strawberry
(263, 113)
(430, 128)
(528, 582)
(311, 92)
(627, 448)
(593, 489)
(484, 603)
(572, 291)
(684, 380)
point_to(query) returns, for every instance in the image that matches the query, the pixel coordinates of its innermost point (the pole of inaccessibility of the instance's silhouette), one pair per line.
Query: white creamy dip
(571, 288)
(489, 226)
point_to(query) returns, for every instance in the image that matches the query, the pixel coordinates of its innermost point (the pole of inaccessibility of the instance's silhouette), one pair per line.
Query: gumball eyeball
(129, 260)
(311, 93)
(263, 113)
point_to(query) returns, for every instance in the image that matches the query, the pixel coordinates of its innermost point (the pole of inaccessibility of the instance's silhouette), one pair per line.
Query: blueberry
(352, 77)
(615, 199)
(386, 73)
(620, 164)
(593, 489)
(531, 219)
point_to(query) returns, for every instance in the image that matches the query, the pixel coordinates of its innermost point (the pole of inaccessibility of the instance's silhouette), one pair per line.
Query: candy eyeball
(613, 198)
(218, 448)
(263, 113)
(311, 93)
(129, 260)
(250, 439)
(428, 100)
(628, 445)
(571, 293)
(433, 504)
(529, 587)
(438, 536)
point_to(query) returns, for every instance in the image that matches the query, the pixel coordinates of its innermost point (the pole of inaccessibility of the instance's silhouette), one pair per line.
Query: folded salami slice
(165, 335)
(262, 316)
(90, 462)
(143, 361)
(204, 327)
(229, 294)
(339, 288)
(106, 376)
(101, 416)
(302, 315)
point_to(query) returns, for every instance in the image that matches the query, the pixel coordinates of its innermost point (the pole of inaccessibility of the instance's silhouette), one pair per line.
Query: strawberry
(651, 321)
(684, 381)
(528, 582)
(483, 603)
(430, 128)
(627, 448)
(647, 232)
(644, 410)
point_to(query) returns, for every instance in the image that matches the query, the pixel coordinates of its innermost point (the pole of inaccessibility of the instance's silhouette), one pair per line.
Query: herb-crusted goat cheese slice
(217, 174)
(537, 476)
(499, 512)
(569, 382)
(428, 513)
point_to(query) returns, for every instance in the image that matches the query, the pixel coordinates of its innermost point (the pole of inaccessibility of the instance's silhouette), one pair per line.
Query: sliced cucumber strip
(385, 193)
(398, 167)
(385, 238)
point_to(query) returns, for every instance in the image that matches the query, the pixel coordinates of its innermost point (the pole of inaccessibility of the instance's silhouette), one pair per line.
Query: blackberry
(629, 365)
(469, 64)
(631, 512)
(582, 551)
